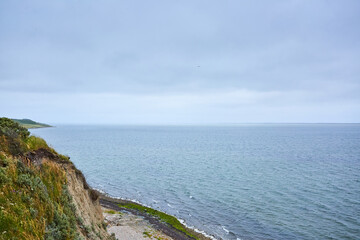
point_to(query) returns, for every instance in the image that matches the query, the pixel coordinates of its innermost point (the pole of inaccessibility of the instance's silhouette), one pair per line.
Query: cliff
(42, 194)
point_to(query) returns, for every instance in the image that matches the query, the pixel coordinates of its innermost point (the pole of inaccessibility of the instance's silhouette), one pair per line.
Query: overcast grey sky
(180, 62)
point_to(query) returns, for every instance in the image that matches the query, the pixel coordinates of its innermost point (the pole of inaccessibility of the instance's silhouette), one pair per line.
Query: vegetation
(34, 200)
(27, 123)
(171, 220)
(15, 140)
(113, 212)
(12, 137)
(147, 234)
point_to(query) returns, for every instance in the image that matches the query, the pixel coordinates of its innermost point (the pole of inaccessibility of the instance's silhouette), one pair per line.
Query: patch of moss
(112, 212)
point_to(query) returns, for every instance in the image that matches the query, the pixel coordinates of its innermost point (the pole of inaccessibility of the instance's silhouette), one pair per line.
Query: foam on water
(197, 230)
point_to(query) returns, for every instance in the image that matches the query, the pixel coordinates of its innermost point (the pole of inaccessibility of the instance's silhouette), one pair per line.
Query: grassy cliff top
(35, 201)
(28, 123)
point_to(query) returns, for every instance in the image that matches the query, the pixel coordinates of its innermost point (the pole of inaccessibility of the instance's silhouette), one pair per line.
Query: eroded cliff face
(46, 197)
(87, 205)
(90, 220)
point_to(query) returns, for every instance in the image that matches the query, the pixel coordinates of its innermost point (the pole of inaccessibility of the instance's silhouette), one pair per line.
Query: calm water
(245, 182)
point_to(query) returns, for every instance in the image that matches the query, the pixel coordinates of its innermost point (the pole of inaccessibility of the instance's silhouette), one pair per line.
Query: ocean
(250, 181)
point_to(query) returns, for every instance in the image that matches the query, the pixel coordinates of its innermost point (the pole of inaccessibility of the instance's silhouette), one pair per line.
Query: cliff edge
(42, 194)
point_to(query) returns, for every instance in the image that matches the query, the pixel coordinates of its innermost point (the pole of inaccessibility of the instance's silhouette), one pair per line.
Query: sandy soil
(128, 226)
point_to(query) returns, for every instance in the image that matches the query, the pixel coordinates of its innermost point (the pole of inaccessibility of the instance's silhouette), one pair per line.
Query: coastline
(117, 204)
(125, 225)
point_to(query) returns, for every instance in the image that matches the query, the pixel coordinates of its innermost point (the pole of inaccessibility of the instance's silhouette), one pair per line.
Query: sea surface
(259, 181)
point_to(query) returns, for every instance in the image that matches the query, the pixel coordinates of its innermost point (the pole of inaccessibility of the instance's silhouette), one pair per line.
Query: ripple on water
(243, 182)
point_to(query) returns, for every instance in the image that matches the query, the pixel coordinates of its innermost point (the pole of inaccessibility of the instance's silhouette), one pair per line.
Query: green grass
(113, 212)
(171, 220)
(34, 201)
(28, 126)
(147, 234)
(34, 143)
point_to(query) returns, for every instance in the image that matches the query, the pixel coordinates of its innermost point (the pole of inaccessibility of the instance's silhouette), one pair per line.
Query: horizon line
(198, 124)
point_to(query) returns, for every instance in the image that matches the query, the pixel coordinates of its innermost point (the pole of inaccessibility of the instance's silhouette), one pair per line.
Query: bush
(31, 197)
(12, 129)
(33, 212)
(12, 137)
(3, 177)
(4, 162)
(24, 180)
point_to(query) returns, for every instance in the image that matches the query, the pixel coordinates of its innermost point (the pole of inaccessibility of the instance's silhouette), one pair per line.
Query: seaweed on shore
(171, 220)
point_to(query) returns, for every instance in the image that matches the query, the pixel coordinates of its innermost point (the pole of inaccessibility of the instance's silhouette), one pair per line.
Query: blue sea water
(270, 181)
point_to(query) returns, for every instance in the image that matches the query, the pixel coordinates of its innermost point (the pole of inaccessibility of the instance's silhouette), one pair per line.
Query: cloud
(165, 55)
(218, 108)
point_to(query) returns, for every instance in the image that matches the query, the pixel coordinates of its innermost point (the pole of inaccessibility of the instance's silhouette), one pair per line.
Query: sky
(180, 62)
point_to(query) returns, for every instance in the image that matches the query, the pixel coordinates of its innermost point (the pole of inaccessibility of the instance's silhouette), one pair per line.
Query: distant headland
(28, 123)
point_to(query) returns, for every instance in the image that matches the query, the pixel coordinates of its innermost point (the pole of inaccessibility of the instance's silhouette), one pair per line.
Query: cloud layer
(177, 62)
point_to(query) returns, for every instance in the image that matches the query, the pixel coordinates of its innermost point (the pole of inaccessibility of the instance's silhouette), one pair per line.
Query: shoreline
(159, 224)
(125, 225)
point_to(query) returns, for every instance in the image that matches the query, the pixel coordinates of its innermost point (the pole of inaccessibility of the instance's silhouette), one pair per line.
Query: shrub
(4, 162)
(33, 212)
(21, 168)
(12, 129)
(35, 203)
(3, 177)
(24, 180)
(12, 137)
